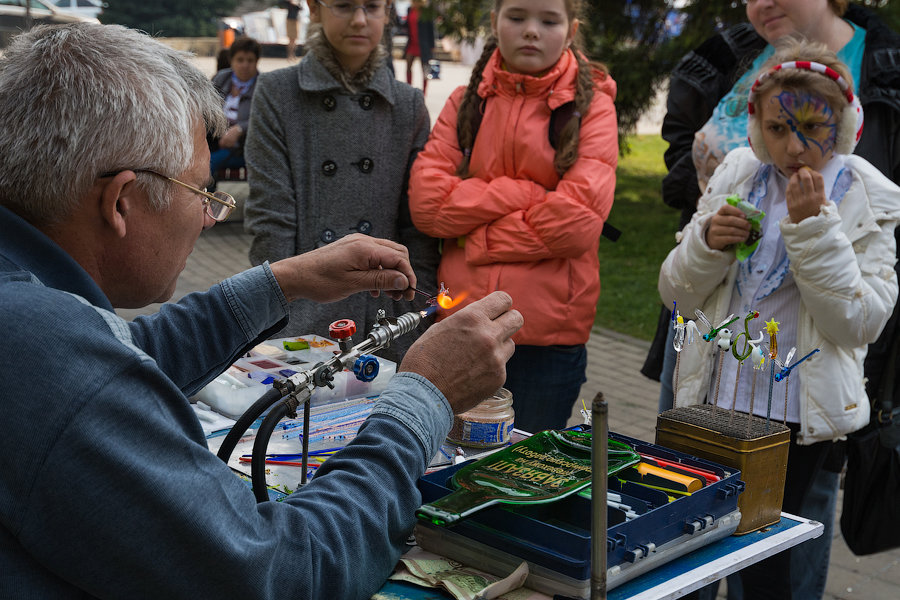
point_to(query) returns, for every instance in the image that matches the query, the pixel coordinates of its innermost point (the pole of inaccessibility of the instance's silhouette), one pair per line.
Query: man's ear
(119, 197)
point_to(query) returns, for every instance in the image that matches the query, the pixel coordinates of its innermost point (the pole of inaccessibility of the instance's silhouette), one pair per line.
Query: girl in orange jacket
(519, 208)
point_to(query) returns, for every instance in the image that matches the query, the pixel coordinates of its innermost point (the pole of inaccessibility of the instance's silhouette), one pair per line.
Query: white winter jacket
(842, 261)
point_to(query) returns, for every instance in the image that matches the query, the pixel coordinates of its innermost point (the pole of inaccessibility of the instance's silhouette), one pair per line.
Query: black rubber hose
(260, 447)
(240, 427)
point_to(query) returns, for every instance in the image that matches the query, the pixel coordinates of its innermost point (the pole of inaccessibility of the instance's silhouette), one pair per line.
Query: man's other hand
(354, 263)
(465, 355)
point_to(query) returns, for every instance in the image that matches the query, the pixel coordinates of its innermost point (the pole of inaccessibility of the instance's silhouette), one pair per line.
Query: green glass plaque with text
(542, 468)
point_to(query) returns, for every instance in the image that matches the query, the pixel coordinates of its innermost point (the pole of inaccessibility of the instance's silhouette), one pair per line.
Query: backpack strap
(559, 118)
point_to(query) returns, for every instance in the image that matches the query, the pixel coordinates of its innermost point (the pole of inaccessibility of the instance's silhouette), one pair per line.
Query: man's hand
(805, 194)
(465, 354)
(727, 227)
(354, 263)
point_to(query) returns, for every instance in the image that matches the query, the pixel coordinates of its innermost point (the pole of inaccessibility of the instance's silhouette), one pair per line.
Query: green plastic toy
(743, 250)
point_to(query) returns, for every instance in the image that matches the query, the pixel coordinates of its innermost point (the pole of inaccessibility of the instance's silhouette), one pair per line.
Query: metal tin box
(759, 451)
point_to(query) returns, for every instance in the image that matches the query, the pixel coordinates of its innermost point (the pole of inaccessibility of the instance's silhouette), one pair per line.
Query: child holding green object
(824, 262)
(754, 216)
(823, 269)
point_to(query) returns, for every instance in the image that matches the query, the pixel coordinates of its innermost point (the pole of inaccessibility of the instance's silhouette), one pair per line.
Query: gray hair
(85, 99)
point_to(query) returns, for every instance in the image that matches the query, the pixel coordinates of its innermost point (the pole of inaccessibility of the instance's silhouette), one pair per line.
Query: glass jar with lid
(487, 424)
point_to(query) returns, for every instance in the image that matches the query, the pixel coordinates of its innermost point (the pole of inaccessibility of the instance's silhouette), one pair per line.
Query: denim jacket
(107, 488)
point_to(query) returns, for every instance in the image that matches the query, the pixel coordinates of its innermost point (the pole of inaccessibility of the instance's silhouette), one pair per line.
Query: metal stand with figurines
(754, 445)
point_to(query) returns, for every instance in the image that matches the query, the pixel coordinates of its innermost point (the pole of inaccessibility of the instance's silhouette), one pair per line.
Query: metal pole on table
(599, 451)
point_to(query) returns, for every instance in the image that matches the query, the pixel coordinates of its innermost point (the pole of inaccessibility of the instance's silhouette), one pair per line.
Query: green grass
(629, 302)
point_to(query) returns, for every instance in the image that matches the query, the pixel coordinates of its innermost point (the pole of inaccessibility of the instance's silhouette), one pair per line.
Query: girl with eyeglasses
(328, 153)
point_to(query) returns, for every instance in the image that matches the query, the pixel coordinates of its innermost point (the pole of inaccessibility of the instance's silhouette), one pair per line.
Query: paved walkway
(613, 363)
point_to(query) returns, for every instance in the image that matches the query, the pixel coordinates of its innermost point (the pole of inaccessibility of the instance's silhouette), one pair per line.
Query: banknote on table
(463, 582)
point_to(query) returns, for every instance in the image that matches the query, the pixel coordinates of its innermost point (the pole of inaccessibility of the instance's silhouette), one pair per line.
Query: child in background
(517, 213)
(328, 153)
(824, 268)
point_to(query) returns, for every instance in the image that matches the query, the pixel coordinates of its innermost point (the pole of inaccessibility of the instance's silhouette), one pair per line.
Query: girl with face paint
(824, 267)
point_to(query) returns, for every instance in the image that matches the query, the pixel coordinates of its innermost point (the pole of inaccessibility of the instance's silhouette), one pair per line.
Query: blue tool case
(555, 537)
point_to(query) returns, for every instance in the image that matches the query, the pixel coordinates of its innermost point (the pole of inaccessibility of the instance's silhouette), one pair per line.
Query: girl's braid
(567, 148)
(471, 103)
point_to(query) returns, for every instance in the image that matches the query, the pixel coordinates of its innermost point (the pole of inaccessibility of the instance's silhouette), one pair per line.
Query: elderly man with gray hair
(107, 488)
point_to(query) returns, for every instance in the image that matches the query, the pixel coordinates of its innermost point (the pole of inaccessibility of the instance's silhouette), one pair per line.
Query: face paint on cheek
(811, 119)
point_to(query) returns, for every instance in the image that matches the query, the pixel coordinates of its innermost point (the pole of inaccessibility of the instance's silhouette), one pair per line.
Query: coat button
(363, 227)
(329, 103)
(365, 101)
(328, 236)
(365, 165)
(329, 168)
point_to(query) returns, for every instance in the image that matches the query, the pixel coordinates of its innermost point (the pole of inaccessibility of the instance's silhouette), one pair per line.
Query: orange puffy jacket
(516, 225)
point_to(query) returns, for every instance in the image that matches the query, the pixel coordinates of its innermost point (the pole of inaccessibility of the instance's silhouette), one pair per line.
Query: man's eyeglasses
(218, 204)
(342, 9)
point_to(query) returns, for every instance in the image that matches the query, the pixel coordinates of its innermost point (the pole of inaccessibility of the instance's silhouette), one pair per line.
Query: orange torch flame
(445, 301)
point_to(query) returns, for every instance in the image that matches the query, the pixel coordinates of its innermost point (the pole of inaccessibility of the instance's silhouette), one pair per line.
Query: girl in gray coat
(328, 153)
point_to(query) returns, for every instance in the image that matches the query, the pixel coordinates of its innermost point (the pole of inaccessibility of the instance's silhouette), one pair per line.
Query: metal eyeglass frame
(356, 7)
(221, 198)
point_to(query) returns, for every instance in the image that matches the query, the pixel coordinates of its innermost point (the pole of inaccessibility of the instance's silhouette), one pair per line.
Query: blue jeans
(810, 491)
(545, 382)
(809, 560)
(666, 393)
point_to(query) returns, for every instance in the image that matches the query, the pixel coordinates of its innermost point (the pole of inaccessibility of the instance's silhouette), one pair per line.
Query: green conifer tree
(169, 18)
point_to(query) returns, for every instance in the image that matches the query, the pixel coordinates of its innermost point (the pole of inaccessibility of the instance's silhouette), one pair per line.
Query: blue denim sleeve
(125, 500)
(195, 339)
(415, 407)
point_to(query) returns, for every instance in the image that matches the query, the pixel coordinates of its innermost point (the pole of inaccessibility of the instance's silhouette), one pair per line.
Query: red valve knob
(342, 329)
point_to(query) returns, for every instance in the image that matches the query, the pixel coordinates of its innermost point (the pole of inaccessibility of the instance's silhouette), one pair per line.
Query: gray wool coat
(324, 163)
